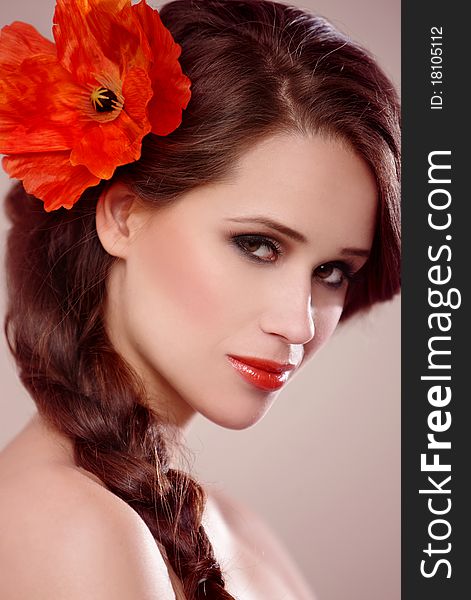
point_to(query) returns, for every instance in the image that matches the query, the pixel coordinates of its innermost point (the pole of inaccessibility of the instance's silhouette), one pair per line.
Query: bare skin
(208, 276)
(39, 478)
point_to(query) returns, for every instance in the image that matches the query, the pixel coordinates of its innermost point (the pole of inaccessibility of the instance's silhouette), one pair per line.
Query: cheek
(180, 279)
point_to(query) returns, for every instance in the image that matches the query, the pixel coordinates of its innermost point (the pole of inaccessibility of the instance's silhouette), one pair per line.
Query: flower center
(104, 100)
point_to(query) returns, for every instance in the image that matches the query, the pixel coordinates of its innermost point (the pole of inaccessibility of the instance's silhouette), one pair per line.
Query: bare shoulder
(246, 523)
(65, 536)
(254, 533)
(237, 513)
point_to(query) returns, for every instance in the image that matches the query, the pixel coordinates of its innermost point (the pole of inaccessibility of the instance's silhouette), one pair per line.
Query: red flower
(73, 111)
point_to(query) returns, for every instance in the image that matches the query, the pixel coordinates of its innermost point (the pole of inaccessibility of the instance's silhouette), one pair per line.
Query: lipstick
(264, 374)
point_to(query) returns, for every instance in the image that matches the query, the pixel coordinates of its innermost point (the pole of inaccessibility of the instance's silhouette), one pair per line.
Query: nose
(290, 315)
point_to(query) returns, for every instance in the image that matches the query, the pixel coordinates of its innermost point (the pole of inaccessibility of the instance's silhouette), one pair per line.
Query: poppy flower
(72, 111)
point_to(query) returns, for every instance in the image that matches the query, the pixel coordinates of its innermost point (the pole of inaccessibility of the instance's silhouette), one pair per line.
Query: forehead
(313, 184)
(316, 185)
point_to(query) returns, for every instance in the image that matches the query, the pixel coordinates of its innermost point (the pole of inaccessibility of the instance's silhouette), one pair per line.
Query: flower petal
(18, 42)
(171, 95)
(51, 177)
(119, 34)
(78, 50)
(109, 6)
(38, 107)
(171, 87)
(105, 146)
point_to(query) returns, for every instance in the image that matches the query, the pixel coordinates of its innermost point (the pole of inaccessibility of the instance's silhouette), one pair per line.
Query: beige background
(323, 467)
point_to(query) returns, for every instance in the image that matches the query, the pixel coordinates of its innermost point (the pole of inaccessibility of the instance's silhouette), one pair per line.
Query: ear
(117, 218)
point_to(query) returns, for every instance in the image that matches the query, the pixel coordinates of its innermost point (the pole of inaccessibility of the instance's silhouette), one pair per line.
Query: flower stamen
(105, 100)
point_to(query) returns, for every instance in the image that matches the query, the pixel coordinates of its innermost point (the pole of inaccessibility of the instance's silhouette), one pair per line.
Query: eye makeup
(263, 249)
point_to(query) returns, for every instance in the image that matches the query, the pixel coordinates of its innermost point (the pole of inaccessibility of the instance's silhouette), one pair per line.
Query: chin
(239, 414)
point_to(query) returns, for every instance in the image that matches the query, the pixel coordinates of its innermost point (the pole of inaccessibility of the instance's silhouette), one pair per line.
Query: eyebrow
(293, 234)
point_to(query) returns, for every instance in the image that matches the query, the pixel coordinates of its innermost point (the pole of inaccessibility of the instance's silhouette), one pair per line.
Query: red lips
(264, 374)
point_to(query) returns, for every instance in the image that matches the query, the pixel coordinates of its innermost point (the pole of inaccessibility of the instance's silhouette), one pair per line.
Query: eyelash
(347, 269)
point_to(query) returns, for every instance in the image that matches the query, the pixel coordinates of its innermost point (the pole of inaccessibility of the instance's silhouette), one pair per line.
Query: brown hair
(257, 68)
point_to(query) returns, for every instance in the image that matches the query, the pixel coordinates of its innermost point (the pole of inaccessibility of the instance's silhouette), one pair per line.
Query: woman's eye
(333, 275)
(260, 248)
(263, 249)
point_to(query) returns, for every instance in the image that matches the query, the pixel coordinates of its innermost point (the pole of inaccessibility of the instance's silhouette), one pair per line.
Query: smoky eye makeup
(335, 273)
(257, 247)
(264, 249)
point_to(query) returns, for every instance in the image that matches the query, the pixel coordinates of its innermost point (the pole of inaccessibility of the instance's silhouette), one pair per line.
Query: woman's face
(253, 268)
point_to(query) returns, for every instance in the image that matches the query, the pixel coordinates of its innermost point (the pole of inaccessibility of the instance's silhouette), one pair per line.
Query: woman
(196, 277)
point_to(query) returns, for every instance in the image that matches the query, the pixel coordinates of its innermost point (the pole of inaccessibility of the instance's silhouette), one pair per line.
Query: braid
(85, 390)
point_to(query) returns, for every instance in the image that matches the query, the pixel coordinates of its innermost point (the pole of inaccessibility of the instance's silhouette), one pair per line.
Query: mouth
(264, 374)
